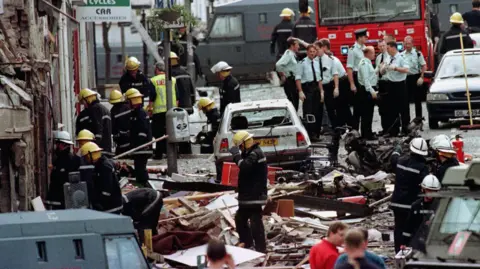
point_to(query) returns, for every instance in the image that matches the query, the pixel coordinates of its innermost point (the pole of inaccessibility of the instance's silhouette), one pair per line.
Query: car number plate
(267, 142)
(464, 113)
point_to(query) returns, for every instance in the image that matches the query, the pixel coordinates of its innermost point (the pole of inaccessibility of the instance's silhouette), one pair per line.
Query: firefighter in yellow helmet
(104, 192)
(96, 119)
(120, 113)
(282, 32)
(451, 39)
(140, 134)
(134, 78)
(85, 136)
(230, 89)
(305, 29)
(252, 190)
(206, 137)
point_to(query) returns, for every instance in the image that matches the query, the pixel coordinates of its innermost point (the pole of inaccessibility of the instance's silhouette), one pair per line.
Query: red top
(323, 255)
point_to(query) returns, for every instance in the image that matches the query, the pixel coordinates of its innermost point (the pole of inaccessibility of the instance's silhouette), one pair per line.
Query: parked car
(476, 39)
(447, 96)
(275, 126)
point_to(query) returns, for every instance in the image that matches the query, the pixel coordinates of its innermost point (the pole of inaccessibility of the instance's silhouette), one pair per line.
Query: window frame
(124, 236)
(227, 38)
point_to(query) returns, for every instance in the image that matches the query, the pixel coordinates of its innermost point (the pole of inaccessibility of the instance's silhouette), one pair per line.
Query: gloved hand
(420, 81)
(322, 97)
(353, 88)
(336, 93)
(383, 69)
(392, 67)
(234, 150)
(374, 95)
(302, 96)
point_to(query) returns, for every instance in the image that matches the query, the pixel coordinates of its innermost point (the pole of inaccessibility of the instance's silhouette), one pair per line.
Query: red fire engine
(338, 19)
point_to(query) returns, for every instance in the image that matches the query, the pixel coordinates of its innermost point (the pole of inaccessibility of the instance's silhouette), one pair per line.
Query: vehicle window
(227, 26)
(262, 18)
(452, 66)
(462, 214)
(124, 253)
(362, 11)
(252, 119)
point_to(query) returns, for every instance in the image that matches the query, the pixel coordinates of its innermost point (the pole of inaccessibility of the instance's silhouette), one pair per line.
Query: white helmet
(63, 136)
(220, 66)
(419, 146)
(431, 182)
(442, 143)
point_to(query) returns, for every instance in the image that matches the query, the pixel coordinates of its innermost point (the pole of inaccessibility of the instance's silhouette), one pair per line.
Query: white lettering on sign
(332, 36)
(381, 33)
(396, 32)
(104, 14)
(348, 35)
(368, 33)
(410, 31)
(102, 2)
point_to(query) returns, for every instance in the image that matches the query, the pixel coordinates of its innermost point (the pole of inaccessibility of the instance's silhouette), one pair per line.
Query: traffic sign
(105, 11)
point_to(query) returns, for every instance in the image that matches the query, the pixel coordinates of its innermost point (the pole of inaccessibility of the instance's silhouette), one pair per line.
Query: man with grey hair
(367, 78)
(382, 59)
(416, 68)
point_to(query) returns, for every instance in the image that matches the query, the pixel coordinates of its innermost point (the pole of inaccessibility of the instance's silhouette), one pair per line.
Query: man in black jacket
(207, 106)
(451, 38)
(472, 17)
(252, 190)
(134, 78)
(305, 29)
(444, 153)
(120, 113)
(180, 49)
(64, 163)
(140, 134)
(105, 194)
(410, 170)
(185, 87)
(230, 89)
(281, 33)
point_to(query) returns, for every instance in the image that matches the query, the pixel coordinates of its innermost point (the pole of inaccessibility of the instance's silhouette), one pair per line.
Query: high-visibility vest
(160, 103)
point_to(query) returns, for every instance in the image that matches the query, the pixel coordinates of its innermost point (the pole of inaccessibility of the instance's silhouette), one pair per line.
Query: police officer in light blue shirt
(367, 78)
(382, 59)
(287, 66)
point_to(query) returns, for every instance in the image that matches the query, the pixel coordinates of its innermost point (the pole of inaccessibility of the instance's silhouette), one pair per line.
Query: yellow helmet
(456, 18)
(240, 137)
(132, 63)
(286, 12)
(115, 97)
(173, 55)
(89, 147)
(204, 102)
(134, 96)
(85, 135)
(84, 93)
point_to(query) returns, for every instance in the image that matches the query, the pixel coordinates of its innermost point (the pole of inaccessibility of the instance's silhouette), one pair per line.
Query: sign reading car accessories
(105, 11)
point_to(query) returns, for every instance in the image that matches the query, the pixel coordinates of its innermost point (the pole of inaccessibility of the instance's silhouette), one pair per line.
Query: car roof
(459, 52)
(273, 103)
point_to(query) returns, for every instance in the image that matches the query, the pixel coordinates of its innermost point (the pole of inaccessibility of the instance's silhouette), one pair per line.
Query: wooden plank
(187, 204)
(305, 260)
(228, 218)
(196, 197)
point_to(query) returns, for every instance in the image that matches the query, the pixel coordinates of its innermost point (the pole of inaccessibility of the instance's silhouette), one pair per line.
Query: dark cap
(360, 32)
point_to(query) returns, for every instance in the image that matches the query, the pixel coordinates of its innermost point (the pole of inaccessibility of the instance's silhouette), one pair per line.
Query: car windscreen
(367, 11)
(258, 118)
(462, 214)
(452, 66)
(123, 252)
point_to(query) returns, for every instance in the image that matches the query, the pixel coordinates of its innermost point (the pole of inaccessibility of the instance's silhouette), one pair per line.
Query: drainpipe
(64, 101)
(84, 72)
(65, 87)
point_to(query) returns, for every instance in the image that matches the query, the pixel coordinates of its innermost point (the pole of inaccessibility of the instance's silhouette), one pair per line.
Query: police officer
(355, 54)
(105, 194)
(444, 153)
(120, 113)
(281, 33)
(305, 29)
(158, 105)
(286, 67)
(472, 17)
(421, 214)
(143, 206)
(416, 68)
(382, 59)
(134, 78)
(185, 87)
(100, 121)
(451, 39)
(410, 170)
(207, 106)
(140, 134)
(230, 90)
(395, 72)
(308, 80)
(64, 163)
(366, 93)
(252, 190)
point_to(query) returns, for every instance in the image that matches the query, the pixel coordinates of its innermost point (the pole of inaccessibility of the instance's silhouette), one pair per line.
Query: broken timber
(357, 210)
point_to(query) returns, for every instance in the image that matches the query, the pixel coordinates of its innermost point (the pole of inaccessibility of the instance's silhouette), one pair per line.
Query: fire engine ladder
(151, 46)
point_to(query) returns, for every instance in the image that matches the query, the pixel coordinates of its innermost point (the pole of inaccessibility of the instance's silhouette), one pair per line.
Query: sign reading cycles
(105, 11)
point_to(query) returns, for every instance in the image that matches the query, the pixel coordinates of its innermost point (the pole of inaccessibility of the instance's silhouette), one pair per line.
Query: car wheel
(432, 123)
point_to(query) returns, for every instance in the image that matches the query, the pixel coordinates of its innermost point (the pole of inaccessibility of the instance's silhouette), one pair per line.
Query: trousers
(291, 91)
(383, 104)
(140, 163)
(158, 130)
(365, 109)
(357, 104)
(331, 103)
(251, 234)
(416, 93)
(149, 220)
(398, 113)
(400, 216)
(312, 106)
(344, 114)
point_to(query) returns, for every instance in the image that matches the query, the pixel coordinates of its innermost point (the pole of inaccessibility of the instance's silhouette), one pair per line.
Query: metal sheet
(329, 204)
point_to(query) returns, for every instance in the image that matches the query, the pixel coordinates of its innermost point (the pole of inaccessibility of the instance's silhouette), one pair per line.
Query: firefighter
(472, 17)
(281, 33)
(416, 69)
(207, 106)
(100, 123)
(252, 190)
(84, 136)
(305, 29)
(86, 169)
(158, 105)
(410, 170)
(143, 206)
(180, 49)
(140, 134)
(185, 87)
(450, 40)
(230, 89)
(382, 59)
(65, 162)
(82, 121)
(120, 113)
(310, 90)
(355, 54)
(421, 213)
(367, 93)
(444, 153)
(105, 194)
(134, 78)
(286, 67)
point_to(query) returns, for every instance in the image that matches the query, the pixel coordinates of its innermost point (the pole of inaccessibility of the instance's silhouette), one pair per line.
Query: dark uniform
(100, 125)
(120, 113)
(140, 134)
(181, 50)
(451, 40)
(229, 93)
(185, 97)
(87, 174)
(416, 228)
(106, 195)
(306, 30)
(64, 163)
(252, 194)
(409, 172)
(206, 139)
(83, 121)
(143, 206)
(140, 82)
(442, 167)
(280, 34)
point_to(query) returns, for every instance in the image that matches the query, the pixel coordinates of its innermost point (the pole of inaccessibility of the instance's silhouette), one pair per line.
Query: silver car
(275, 126)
